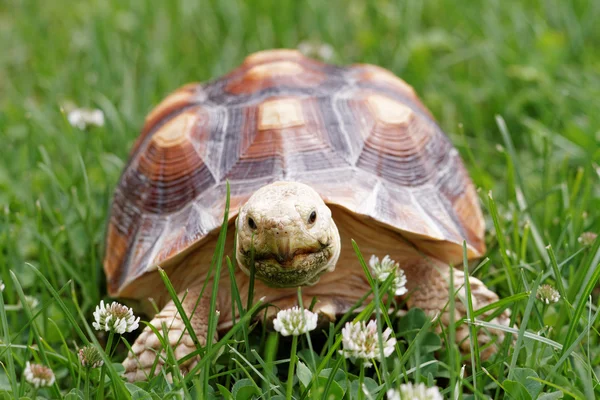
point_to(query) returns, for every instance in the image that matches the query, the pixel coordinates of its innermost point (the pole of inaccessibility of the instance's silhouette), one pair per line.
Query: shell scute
(280, 113)
(282, 136)
(268, 73)
(168, 172)
(181, 98)
(267, 56)
(358, 135)
(367, 73)
(377, 78)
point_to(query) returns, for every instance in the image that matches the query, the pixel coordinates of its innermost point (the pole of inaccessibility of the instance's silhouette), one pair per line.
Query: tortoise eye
(251, 223)
(312, 217)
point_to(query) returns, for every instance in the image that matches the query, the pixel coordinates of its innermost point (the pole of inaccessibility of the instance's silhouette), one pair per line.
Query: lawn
(515, 85)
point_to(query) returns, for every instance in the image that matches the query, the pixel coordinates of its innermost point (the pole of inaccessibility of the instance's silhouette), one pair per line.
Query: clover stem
(87, 383)
(377, 372)
(290, 379)
(361, 378)
(534, 351)
(100, 395)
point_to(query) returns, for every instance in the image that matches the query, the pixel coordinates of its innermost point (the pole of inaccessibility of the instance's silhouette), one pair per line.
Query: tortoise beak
(283, 247)
(284, 257)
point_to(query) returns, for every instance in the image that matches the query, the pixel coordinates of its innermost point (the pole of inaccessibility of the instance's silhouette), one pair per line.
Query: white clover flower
(115, 317)
(547, 294)
(305, 48)
(82, 117)
(295, 321)
(361, 341)
(31, 301)
(587, 238)
(323, 51)
(38, 375)
(410, 391)
(382, 270)
(89, 356)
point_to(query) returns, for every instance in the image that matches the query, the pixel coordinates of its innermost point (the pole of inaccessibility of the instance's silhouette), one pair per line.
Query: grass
(515, 86)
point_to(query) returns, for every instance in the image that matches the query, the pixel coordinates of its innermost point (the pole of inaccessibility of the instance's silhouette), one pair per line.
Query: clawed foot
(433, 298)
(148, 356)
(488, 338)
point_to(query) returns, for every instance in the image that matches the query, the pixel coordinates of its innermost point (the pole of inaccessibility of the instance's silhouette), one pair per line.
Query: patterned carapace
(357, 134)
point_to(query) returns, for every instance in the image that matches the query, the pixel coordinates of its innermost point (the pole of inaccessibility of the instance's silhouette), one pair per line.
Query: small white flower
(305, 48)
(383, 269)
(295, 321)
(115, 317)
(31, 301)
(89, 356)
(323, 51)
(38, 375)
(82, 117)
(2, 286)
(361, 341)
(547, 294)
(587, 238)
(410, 391)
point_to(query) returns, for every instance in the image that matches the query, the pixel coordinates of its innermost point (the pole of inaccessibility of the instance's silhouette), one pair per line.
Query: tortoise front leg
(428, 281)
(147, 349)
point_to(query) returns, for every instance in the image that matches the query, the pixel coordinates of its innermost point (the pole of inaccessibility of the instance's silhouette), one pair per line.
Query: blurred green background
(534, 63)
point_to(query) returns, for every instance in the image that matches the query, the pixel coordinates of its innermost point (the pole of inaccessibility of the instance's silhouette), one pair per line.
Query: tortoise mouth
(299, 268)
(289, 259)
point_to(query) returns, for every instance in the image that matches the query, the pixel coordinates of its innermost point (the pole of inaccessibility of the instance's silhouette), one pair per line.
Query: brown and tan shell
(358, 135)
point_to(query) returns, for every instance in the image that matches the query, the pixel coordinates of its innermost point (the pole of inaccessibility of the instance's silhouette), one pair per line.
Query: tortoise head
(289, 232)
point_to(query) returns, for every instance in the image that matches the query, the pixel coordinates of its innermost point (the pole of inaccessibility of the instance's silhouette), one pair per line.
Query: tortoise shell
(357, 134)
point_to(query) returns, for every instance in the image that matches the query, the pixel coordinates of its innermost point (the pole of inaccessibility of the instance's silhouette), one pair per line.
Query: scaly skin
(149, 356)
(292, 250)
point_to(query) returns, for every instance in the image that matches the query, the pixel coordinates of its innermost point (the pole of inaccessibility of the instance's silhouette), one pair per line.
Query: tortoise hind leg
(430, 279)
(147, 352)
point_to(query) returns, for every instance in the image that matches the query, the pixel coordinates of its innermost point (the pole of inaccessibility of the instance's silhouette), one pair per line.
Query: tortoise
(315, 155)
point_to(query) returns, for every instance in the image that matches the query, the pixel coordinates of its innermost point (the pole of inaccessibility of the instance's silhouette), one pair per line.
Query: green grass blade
(570, 351)
(215, 348)
(577, 316)
(175, 298)
(237, 299)
(122, 391)
(501, 304)
(452, 350)
(511, 279)
(252, 275)
(474, 342)
(520, 195)
(212, 319)
(11, 373)
(515, 331)
(523, 326)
